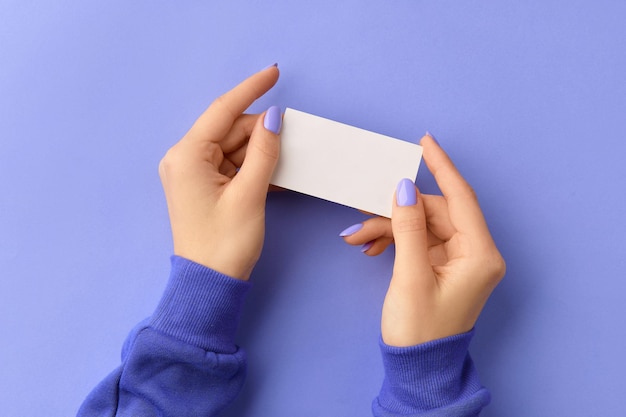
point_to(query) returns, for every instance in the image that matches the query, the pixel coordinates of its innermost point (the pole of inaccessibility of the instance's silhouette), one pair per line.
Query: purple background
(529, 99)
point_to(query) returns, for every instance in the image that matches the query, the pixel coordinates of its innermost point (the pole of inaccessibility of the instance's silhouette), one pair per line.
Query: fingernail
(405, 193)
(351, 230)
(275, 64)
(430, 135)
(367, 246)
(273, 119)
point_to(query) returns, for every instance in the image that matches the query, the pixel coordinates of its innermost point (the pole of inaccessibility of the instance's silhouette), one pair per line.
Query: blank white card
(342, 163)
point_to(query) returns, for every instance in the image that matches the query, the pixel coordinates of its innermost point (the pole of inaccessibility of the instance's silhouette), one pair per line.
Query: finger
(228, 168)
(238, 155)
(376, 247)
(463, 209)
(369, 230)
(217, 120)
(437, 218)
(412, 264)
(379, 229)
(261, 156)
(239, 133)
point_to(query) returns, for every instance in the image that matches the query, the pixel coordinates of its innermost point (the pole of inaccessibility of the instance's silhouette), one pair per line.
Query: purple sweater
(183, 361)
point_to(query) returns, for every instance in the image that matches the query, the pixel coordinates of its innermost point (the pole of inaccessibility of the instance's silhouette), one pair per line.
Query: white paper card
(341, 163)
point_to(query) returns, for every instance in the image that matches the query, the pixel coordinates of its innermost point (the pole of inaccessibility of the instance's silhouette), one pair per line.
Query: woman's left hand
(216, 180)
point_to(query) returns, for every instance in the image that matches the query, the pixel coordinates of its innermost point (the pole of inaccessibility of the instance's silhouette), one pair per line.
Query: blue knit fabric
(182, 361)
(437, 378)
(200, 307)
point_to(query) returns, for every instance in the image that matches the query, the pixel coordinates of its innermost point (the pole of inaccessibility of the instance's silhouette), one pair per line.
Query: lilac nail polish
(405, 193)
(351, 230)
(367, 246)
(270, 66)
(273, 119)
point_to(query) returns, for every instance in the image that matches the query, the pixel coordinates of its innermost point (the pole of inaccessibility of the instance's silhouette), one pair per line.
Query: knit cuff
(434, 375)
(200, 306)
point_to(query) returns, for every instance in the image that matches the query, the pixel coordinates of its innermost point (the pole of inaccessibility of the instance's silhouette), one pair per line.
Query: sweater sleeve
(182, 361)
(434, 379)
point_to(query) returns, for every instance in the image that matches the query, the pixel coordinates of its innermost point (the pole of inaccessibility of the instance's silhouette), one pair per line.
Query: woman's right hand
(446, 263)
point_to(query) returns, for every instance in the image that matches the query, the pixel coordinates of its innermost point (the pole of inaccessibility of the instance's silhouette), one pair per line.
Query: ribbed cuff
(200, 306)
(434, 375)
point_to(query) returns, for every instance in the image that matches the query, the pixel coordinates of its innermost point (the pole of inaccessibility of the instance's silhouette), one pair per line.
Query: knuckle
(222, 102)
(267, 149)
(486, 263)
(169, 161)
(500, 267)
(495, 266)
(162, 168)
(468, 194)
(409, 225)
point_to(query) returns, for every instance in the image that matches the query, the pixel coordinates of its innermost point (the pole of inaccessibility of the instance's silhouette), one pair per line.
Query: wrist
(217, 260)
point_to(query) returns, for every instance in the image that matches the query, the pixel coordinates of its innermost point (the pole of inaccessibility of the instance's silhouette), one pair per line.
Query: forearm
(433, 379)
(183, 360)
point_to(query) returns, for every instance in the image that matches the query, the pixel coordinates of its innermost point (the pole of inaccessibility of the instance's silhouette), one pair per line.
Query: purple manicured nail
(351, 230)
(273, 119)
(270, 66)
(367, 246)
(405, 193)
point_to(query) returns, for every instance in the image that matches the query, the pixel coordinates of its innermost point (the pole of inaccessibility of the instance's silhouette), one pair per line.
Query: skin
(216, 180)
(217, 214)
(446, 262)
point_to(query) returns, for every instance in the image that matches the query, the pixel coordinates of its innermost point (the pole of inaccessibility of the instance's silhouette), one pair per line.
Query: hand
(446, 263)
(216, 180)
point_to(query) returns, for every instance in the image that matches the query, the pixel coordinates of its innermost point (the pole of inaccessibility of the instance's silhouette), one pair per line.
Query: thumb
(408, 222)
(261, 154)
